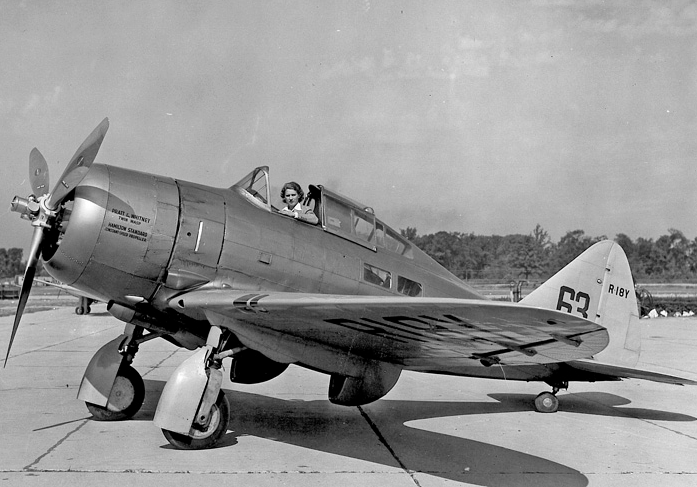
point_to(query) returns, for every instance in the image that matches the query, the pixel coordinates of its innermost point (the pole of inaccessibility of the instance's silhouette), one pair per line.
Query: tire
(126, 397)
(220, 419)
(546, 402)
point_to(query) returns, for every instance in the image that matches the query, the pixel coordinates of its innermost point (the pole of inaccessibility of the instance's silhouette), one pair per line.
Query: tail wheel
(208, 437)
(126, 397)
(546, 402)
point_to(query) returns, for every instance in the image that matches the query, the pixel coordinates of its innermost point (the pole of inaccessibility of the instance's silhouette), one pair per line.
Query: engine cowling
(252, 367)
(121, 224)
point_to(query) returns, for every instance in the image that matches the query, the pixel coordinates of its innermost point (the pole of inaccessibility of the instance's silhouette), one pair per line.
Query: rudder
(598, 286)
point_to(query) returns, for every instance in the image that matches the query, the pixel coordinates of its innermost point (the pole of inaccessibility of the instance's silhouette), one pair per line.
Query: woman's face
(291, 198)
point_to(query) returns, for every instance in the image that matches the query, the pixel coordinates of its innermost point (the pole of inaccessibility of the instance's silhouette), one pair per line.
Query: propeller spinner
(42, 208)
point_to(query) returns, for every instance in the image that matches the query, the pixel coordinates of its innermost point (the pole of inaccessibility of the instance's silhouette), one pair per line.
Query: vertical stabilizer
(598, 286)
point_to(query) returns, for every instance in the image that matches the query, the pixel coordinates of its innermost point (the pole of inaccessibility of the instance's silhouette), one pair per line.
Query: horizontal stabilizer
(628, 373)
(598, 285)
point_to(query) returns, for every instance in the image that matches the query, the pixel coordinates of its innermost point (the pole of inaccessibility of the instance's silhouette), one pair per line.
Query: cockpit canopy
(337, 214)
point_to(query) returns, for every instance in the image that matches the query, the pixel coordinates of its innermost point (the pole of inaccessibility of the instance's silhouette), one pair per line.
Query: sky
(478, 117)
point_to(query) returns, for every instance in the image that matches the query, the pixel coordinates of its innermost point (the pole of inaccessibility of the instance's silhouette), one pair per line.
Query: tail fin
(598, 286)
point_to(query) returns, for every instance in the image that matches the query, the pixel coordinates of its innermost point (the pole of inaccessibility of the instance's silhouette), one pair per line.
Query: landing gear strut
(111, 388)
(193, 412)
(547, 402)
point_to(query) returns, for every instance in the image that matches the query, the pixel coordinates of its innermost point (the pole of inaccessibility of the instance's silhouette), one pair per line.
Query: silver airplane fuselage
(134, 237)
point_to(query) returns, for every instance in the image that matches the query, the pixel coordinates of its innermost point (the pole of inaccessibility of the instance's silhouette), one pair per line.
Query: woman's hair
(295, 187)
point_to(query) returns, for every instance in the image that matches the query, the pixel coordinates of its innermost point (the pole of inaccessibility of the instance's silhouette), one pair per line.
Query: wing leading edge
(412, 332)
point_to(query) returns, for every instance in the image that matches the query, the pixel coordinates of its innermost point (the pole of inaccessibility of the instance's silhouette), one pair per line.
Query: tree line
(533, 256)
(671, 257)
(11, 262)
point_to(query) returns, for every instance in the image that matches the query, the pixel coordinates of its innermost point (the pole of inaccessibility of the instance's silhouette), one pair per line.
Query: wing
(412, 332)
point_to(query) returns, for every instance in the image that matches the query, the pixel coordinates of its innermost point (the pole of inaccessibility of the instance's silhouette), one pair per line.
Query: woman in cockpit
(292, 195)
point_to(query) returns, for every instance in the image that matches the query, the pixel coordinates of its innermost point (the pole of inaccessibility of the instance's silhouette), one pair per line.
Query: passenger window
(375, 275)
(409, 287)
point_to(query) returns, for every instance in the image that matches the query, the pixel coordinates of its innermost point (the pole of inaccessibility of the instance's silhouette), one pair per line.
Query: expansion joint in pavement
(157, 365)
(386, 444)
(32, 465)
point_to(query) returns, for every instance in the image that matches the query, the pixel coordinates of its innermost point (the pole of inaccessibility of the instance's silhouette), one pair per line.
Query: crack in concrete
(27, 352)
(154, 367)
(667, 429)
(383, 440)
(30, 467)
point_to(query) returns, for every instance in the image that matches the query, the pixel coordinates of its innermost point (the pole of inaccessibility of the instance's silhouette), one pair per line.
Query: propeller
(44, 215)
(38, 173)
(29, 273)
(78, 166)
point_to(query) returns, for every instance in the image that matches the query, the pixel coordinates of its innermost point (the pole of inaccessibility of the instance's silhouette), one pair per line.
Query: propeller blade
(79, 165)
(38, 173)
(29, 273)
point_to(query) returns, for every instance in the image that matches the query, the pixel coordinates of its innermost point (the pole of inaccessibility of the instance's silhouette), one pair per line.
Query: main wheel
(546, 402)
(202, 439)
(126, 397)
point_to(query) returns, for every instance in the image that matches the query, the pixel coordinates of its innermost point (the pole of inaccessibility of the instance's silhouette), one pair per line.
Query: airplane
(85, 300)
(221, 272)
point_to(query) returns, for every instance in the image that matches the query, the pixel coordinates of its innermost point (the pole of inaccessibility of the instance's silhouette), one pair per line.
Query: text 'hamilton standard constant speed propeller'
(43, 208)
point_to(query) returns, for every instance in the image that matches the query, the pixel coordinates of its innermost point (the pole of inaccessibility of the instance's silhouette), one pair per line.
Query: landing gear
(83, 311)
(193, 412)
(83, 307)
(111, 388)
(125, 399)
(202, 437)
(547, 402)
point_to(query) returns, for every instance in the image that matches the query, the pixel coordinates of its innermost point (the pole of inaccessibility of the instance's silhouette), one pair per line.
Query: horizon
(473, 117)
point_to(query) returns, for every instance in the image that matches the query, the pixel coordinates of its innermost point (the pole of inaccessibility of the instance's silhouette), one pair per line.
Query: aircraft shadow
(322, 426)
(593, 403)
